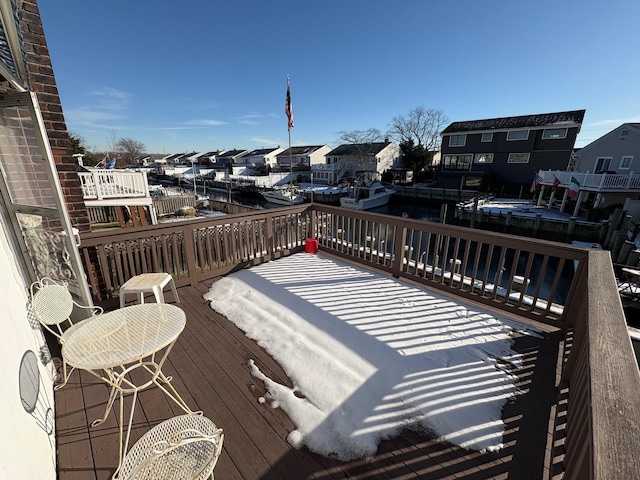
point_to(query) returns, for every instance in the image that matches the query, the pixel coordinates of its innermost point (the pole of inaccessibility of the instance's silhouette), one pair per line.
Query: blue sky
(203, 75)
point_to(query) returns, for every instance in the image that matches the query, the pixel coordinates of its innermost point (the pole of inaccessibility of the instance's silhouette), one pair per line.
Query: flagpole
(290, 171)
(289, 111)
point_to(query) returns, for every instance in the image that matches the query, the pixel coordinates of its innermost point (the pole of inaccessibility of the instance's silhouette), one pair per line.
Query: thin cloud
(250, 119)
(110, 92)
(265, 141)
(613, 122)
(251, 116)
(88, 117)
(205, 123)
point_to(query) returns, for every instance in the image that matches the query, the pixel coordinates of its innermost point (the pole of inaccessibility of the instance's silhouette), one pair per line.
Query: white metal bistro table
(114, 344)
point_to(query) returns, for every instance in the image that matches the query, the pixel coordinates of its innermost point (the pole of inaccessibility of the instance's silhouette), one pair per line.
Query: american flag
(536, 180)
(288, 109)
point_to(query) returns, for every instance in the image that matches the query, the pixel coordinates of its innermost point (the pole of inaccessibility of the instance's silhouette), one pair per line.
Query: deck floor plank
(210, 369)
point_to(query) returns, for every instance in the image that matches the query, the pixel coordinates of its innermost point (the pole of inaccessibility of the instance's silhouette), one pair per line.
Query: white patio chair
(183, 447)
(52, 304)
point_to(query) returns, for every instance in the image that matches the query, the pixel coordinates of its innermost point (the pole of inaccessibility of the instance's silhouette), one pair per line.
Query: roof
(303, 150)
(232, 153)
(570, 118)
(262, 151)
(351, 149)
(609, 135)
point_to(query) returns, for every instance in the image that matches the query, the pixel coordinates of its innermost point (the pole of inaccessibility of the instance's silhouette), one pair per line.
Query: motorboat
(283, 196)
(364, 196)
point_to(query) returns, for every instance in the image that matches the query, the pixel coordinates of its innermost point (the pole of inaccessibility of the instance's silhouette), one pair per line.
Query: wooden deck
(209, 364)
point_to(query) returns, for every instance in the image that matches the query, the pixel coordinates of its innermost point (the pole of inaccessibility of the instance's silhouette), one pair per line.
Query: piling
(625, 250)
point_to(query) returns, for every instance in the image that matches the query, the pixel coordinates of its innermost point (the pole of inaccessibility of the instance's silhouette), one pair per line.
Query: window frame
(621, 166)
(463, 136)
(510, 160)
(545, 136)
(604, 166)
(465, 166)
(477, 155)
(517, 131)
(482, 138)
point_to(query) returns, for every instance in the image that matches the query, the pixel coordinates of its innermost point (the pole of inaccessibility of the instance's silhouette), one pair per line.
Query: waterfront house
(574, 416)
(263, 157)
(229, 158)
(615, 152)
(605, 172)
(301, 157)
(370, 159)
(506, 151)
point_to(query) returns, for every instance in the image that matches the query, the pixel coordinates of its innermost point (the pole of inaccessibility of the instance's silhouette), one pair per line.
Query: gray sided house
(263, 157)
(616, 152)
(231, 157)
(371, 158)
(506, 151)
(302, 157)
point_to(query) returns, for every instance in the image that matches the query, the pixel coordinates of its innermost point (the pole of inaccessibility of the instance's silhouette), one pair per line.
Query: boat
(364, 196)
(283, 196)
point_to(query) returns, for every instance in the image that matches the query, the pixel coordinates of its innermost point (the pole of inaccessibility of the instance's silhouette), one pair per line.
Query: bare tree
(359, 142)
(360, 137)
(128, 151)
(420, 126)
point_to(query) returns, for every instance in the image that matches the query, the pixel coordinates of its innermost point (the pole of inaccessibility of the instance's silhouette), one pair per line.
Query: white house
(303, 156)
(369, 158)
(263, 156)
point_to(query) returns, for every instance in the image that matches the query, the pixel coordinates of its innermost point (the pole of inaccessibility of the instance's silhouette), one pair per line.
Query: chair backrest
(51, 304)
(185, 447)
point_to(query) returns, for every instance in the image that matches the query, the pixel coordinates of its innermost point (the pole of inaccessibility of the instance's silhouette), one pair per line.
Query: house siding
(543, 154)
(611, 145)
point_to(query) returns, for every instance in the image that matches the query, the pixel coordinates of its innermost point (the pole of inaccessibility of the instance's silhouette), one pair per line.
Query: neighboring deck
(210, 370)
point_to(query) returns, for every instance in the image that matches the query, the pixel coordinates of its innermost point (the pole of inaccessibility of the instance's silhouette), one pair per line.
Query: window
(487, 137)
(602, 164)
(554, 133)
(457, 140)
(472, 182)
(518, 135)
(624, 133)
(625, 163)
(457, 162)
(518, 158)
(483, 158)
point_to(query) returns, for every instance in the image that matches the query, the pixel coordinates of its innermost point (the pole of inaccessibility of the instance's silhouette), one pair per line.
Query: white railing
(595, 181)
(103, 184)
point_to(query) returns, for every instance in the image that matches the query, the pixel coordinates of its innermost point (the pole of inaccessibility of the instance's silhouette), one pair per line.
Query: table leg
(112, 397)
(173, 394)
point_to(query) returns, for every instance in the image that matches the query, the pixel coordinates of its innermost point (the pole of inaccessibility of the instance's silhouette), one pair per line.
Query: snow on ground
(525, 208)
(370, 355)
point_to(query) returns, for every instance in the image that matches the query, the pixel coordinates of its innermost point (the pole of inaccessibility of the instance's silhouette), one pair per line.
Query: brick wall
(43, 82)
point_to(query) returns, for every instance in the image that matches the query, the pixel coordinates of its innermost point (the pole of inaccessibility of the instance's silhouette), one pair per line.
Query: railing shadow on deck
(566, 287)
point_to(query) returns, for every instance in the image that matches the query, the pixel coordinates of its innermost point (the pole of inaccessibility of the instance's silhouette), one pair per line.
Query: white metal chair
(52, 304)
(183, 447)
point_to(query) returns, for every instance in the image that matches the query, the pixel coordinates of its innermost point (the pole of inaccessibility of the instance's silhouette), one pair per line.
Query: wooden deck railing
(565, 286)
(191, 251)
(603, 418)
(523, 276)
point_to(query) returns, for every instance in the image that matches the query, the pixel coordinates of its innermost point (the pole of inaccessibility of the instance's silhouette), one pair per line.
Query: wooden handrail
(603, 418)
